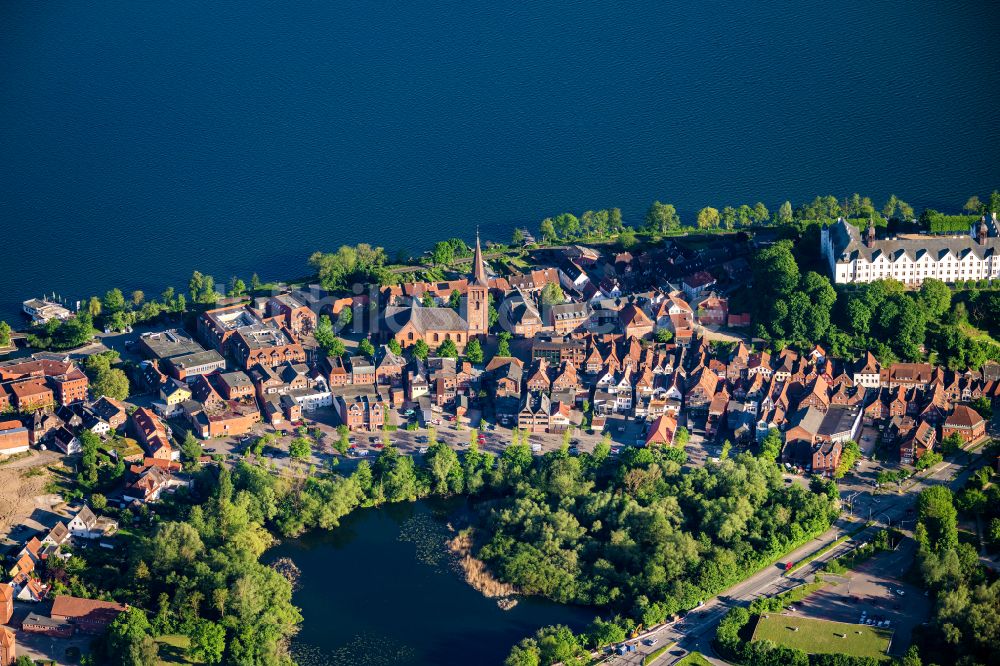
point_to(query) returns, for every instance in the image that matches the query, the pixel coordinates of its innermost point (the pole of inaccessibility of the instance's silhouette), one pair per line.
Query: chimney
(870, 234)
(981, 232)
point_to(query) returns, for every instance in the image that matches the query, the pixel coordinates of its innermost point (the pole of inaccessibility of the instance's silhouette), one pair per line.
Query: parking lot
(873, 593)
(492, 438)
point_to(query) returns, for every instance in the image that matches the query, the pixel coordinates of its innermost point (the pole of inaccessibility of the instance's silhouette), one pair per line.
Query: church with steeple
(478, 297)
(435, 324)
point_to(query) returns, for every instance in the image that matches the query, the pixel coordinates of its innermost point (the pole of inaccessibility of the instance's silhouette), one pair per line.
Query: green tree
(663, 335)
(727, 219)
(4, 334)
(111, 382)
(983, 406)
(517, 238)
(448, 349)
(114, 301)
(770, 446)
(552, 294)
(255, 283)
(345, 317)
(394, 346)
(442, 461)
(744, 215)
(137, 298)
(708, 218)
(455, 299)
(191, 451)
(849, 455)
(129, 640)
(237, 287)
(503, 346)
(548, 230)
(443, 253)
(928, 460)
(627, 238)
(300, 448)
(935, 297)
(606, 633)
(208, 642)
(973, 206)
(361, 263)
(366, 348)
(420, 350)
(550, 645)
(775, 269)
(98, 502)
(936, 512)
(474, 351)
(661, 218)
(760, 213)
(94, 306)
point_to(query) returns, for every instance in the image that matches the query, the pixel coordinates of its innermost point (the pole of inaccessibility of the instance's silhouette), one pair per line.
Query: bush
(938, 223)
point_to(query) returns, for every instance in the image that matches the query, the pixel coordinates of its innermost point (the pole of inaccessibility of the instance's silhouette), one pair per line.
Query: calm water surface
(381, 590)
(141, 140)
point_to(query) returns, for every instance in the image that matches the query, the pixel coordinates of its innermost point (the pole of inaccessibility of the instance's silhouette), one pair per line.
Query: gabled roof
(426, 319)
(964, 417)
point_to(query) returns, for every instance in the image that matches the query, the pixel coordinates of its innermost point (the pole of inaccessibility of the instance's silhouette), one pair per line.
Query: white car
(900, 592)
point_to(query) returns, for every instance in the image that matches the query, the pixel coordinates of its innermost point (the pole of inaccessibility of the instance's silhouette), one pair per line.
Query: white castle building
(911, 258)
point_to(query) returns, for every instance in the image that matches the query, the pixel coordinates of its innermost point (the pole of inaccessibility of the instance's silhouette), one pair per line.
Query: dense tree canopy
(349, 265)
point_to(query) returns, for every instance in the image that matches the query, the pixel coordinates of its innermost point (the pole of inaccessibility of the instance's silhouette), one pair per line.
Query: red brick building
(152, 434)
(91, 616)
(964, 422)
(292, 313)
(361, 412)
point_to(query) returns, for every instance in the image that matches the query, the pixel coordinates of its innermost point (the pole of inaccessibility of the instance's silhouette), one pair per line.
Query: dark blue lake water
(141, 140)
(382, 590)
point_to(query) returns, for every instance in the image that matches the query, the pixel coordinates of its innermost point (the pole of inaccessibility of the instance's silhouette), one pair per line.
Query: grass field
(171, 650)
(694, 659)
(822, 636)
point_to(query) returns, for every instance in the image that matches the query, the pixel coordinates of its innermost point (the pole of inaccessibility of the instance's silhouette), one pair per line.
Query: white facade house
(911, 258)
(312, 398)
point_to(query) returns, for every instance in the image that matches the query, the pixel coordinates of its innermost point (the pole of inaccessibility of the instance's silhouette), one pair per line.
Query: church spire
(478, 267)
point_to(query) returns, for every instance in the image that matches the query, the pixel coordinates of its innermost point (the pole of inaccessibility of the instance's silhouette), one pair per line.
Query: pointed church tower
(478, 298)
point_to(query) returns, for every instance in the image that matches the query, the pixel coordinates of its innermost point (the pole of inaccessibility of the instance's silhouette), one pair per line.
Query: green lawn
(821, 636)
(694, 659)
(172, 648)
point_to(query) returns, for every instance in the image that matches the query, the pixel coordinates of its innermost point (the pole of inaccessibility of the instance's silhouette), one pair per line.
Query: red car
(380, 445)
